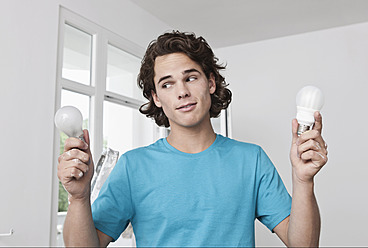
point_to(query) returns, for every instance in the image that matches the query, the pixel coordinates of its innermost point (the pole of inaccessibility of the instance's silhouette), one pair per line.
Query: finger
(311, 134)
(294, 131)
(73, 142)
(88, 142)
(75, 154)
(74, 163)
(317, 158)
(69, 174)
(310, 145)
(86, 136)
(318, 122)
(304, 142)
(76, 173)
(304, 137)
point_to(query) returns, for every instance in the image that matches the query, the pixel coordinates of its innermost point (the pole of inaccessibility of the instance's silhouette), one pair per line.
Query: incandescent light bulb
(308, 100)
(69, 120)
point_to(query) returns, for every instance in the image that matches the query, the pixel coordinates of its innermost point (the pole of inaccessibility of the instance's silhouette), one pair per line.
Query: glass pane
(69, 98)
(124, 128)
(219, 124)
(82, 102)
(122, 71)
(216, 124)
(77, 55)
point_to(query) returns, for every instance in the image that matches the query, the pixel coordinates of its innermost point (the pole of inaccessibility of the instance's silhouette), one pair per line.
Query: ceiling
(230, 22)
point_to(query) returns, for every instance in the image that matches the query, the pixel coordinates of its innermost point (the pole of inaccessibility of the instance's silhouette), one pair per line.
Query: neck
(193, 139)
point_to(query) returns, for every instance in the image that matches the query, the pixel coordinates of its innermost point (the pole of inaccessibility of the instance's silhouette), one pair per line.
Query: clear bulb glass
(308, 100)
(69, 120)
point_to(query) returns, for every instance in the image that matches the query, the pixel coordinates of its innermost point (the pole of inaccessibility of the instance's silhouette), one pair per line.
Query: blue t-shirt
(211, 198)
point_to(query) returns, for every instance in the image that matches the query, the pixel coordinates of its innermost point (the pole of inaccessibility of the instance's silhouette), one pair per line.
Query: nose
(183, 91)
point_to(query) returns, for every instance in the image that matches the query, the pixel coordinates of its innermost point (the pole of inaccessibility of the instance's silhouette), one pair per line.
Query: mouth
(187, 106)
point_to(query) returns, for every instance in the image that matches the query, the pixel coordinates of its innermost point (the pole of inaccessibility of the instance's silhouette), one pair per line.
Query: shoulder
(245, 151)
(143, 154)
(239, 146)
(157, 146)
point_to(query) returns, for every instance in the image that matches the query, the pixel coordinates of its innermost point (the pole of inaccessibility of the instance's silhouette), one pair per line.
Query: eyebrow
(184, 72)
(191, 70)
(163, 78)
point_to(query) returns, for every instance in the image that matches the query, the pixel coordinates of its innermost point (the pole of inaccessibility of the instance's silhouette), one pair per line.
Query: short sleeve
(273, 200)
(112, 209)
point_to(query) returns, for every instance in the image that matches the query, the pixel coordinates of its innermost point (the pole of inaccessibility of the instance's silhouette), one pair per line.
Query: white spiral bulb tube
(308, 100)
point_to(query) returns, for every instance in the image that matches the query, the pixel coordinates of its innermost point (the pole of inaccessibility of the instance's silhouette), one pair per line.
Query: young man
(194, 188)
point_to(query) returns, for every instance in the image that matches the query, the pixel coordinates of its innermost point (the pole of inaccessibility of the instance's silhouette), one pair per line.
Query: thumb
(86, 137)
(294, 128)
(87, 140)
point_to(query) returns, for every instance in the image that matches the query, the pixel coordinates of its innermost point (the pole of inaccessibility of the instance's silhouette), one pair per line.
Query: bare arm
(305, 223)
(75, 171)
(79, 229)
(302, 227)
(308, 155)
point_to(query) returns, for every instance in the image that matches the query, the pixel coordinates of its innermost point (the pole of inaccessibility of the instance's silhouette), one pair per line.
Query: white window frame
(97, 92)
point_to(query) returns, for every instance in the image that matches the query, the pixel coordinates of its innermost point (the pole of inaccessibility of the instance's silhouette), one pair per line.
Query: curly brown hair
(198, 50)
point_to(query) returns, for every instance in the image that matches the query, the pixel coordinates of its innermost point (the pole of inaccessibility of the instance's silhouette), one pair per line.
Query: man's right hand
(75, 168)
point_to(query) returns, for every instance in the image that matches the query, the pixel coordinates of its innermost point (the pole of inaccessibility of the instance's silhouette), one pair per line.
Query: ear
(156, 99)
(212, 84)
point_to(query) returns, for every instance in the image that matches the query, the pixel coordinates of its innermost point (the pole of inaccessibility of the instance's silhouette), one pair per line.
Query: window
(97, 73)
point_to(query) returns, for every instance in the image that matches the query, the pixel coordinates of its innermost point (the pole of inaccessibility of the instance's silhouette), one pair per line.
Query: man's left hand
(308, 152)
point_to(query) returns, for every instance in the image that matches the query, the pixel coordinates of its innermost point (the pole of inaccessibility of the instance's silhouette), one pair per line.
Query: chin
(189, 123)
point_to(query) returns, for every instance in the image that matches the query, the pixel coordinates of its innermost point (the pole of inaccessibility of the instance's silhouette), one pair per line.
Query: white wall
(265, 77)
(28, 50)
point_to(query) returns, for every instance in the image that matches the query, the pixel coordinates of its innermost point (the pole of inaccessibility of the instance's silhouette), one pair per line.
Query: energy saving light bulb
(69, 120)
(308, 100)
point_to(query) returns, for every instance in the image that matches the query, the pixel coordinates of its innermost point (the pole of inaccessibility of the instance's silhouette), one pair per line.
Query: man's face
(182, 90)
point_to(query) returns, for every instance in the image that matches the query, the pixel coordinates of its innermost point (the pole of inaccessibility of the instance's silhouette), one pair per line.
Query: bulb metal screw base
(81, 137)
(302, 128)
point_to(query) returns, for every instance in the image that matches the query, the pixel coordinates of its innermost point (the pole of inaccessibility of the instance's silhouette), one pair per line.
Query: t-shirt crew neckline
(193, 155)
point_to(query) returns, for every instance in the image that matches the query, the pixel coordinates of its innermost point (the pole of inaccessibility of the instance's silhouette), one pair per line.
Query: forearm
(79, 229)
(305, 223)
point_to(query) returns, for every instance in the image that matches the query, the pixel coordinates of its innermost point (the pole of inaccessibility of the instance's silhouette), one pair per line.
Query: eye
(191, 78)
(166, 85)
